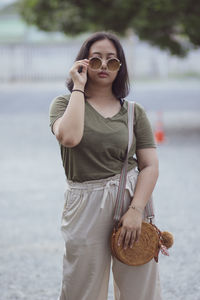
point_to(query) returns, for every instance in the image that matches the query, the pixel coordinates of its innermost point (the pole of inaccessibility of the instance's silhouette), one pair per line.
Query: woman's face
(104, 49)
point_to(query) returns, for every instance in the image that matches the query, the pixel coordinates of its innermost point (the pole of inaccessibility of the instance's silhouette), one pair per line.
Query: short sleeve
(57, 108)
(143, 130)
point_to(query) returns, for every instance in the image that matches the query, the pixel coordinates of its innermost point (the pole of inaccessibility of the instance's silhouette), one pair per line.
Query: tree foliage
(169, 24)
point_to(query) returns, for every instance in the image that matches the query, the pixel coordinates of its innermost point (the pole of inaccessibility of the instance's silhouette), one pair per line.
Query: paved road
(154, 96)
(31, 196)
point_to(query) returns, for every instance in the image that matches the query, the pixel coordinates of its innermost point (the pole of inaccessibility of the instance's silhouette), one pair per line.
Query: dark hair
(120, 85)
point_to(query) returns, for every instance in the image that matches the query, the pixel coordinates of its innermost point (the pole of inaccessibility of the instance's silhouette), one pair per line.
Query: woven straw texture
(142, 252)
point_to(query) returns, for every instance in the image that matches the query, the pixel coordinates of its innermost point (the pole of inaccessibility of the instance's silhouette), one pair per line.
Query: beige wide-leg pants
(87, 223)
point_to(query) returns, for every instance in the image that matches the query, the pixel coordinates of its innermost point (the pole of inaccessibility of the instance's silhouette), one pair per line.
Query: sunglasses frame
(107, 60)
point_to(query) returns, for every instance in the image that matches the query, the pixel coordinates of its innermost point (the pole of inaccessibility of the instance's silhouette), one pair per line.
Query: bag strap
(149, 212)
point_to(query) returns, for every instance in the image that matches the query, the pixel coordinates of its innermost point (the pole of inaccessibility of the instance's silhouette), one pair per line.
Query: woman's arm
(148, 175)
(69, 128)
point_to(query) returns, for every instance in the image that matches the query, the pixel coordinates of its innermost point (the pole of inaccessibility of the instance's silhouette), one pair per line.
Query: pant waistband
(99, 182)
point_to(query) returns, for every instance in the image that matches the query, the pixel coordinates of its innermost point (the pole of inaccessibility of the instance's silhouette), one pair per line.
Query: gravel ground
(33, 184)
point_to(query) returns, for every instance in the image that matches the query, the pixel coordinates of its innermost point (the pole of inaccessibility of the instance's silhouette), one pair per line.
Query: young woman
(90, 125)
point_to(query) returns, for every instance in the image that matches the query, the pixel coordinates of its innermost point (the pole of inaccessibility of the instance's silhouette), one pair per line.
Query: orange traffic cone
(159, 130)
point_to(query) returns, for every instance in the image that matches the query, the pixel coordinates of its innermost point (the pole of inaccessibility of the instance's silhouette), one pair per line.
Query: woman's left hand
(131, 228)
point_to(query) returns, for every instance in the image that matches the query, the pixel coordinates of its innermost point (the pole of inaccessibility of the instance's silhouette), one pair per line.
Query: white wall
(53, 61)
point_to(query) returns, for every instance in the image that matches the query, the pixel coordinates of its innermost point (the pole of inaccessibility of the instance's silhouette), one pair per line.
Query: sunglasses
(113, 64)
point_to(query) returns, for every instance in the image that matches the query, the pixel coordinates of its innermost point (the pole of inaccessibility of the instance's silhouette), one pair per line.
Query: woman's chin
(102, 81)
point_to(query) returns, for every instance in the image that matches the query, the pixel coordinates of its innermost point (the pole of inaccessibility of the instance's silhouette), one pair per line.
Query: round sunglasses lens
(95, 63)
(113, 64)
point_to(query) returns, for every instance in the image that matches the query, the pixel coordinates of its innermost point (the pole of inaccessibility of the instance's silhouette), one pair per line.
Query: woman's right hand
(79, 78)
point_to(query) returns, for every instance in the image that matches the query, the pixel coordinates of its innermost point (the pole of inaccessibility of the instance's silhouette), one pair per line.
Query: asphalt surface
(165, 96)
(33, 184)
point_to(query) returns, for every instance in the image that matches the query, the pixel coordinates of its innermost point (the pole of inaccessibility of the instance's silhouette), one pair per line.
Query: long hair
(120, 86)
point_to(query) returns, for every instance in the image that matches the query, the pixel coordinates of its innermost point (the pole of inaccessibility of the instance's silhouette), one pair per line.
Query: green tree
(171, 25)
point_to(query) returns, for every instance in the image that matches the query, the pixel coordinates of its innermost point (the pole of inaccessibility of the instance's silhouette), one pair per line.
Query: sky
(6, 2)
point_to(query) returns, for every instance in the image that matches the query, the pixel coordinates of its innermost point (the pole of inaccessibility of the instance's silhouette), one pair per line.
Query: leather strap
(149, 212)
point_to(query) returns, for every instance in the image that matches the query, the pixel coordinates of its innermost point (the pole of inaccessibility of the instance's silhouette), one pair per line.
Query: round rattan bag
(148, 246)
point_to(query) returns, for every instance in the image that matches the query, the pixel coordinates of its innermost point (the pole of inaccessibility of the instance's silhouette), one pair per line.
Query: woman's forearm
(71, 126)
(144, 187)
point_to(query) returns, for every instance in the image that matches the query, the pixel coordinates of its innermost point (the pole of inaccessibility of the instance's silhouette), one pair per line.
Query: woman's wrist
(136, 208)
(79, 87)
(79, 91)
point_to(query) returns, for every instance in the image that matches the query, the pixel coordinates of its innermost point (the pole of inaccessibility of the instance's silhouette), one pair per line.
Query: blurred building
(27, 53)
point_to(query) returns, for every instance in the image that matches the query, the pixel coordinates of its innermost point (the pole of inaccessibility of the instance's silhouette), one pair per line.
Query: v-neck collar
(120, 112)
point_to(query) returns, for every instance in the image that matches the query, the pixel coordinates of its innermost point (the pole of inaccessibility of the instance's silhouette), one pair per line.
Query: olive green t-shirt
(102, 149)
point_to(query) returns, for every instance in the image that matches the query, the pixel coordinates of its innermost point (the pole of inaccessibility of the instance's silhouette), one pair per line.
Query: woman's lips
(103, 74)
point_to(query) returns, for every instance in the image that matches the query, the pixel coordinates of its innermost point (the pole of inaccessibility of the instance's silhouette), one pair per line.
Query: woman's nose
(104, 64)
